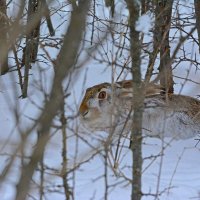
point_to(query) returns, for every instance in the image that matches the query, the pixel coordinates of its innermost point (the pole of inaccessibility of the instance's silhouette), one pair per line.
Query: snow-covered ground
(174, 172)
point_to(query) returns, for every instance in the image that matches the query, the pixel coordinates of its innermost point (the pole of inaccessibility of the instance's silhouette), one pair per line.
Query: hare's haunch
(108, 107)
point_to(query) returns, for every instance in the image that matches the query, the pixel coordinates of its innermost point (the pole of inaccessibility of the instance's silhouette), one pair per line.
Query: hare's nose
(83, 110)
(83, 113)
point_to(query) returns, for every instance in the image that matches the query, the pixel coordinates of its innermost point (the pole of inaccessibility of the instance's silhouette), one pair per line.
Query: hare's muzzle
(83, 110)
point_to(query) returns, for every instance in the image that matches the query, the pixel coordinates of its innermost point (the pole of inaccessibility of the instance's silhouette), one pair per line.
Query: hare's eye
(102, 95)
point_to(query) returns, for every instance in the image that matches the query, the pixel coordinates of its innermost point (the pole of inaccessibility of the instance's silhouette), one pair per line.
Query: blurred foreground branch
(64, 63)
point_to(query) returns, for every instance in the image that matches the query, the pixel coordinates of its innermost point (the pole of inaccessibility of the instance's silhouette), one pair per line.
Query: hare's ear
(124, 89)
(153, 89)
(125, 93)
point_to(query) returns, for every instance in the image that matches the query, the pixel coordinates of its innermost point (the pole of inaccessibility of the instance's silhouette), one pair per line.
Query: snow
(176, 174)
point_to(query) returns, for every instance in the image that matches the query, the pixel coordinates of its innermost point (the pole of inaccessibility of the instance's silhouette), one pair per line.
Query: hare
(108, 107)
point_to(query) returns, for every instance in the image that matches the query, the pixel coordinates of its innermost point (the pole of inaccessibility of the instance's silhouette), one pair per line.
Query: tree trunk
(161, 36)
(111, 4)
(197, 13)
(32, 42)
(136, 132)
(3, 38)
